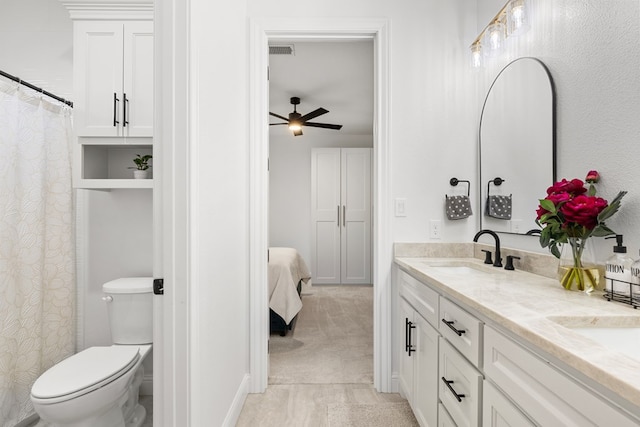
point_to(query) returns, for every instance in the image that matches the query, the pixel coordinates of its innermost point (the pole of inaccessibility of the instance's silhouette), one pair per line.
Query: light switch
(401, 207)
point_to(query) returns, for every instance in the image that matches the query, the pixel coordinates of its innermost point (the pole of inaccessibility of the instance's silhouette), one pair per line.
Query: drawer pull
(411, 346)
(448, 383)
(450, 323)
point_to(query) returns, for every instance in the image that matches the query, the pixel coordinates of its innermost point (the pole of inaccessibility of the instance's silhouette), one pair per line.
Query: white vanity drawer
(460, 386)
(421, 297)
(462, 330)
(545, 393)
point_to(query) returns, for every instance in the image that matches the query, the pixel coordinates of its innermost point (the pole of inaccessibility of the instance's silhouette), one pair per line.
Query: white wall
(592, 51)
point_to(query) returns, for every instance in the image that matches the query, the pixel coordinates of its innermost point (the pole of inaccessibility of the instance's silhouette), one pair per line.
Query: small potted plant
(141, 170)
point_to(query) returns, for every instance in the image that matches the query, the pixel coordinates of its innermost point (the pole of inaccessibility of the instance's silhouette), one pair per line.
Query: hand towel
(499, 206)
(458, 207)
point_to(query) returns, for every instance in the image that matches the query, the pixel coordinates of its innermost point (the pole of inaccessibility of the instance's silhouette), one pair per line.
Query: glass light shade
(517, 17)
(294, 126)
(493, 39)
(476, 55)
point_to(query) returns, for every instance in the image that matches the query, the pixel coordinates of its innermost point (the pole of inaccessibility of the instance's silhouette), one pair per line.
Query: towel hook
(455, 181)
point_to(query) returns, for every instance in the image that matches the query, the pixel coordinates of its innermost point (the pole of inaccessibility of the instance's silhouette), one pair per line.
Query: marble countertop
(539, 311)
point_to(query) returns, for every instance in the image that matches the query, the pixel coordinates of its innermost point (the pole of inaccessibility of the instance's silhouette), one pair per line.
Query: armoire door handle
(338, 215)
(125, 101)
(344, 215)
(115, 109)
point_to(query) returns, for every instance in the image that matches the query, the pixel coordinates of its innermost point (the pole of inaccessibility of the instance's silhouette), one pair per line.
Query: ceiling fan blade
(297, 132)
(274, 124)
(279, 116)
(322, 125)
(312, 115)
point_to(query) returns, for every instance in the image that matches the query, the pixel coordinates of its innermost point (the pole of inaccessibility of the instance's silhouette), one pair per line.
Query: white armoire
(341, 215)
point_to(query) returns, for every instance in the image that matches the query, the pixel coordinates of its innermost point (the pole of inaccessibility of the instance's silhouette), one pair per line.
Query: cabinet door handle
(410, 347)
(125, 102)
(338, 215)
(115, 109)
(406, 334)
(344, 215)
(451, 389)
(450, 323)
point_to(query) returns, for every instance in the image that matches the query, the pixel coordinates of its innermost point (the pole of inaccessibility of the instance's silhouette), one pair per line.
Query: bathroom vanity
(483, 346)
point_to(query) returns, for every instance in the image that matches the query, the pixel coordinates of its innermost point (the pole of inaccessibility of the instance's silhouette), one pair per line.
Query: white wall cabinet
(341, 215)
(113, 78)
(113, 93)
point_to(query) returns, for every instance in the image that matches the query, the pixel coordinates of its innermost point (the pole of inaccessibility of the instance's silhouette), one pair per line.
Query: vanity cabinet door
(406, 359)
(462, 330)
(546, 394)
(498, 411)
(425, 380)
(459, 387)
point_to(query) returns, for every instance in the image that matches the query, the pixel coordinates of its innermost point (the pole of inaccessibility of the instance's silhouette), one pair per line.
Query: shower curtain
(37, 263)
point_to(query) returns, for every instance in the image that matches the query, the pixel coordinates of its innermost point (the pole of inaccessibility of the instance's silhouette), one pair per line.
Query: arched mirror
(517, 146)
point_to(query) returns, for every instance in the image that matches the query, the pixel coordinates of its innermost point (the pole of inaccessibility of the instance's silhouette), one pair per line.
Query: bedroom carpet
(321, 373)
(332, 341)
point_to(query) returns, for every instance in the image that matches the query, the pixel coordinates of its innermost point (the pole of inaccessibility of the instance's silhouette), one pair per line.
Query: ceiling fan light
(295, 126)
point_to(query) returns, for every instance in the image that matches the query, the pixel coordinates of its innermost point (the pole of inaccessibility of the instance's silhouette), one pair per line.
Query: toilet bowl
(98, 387)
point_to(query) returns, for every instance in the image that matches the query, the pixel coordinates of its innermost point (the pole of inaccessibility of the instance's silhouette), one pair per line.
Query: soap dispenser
(617, 272)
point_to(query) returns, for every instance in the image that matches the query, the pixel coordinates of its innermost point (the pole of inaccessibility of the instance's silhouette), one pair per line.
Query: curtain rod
(36, 88)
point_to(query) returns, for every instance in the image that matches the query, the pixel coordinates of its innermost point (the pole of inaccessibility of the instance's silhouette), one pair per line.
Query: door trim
(261, 31)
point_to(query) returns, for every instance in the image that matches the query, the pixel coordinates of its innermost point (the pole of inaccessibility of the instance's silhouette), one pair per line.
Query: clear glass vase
(577, 269)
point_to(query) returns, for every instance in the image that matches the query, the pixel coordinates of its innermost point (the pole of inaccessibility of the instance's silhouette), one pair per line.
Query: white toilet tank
(130, 308)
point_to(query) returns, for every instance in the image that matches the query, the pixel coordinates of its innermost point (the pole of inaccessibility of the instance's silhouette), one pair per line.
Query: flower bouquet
(572, 213)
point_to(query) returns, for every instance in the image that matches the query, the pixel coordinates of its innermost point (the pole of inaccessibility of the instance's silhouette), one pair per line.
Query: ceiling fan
(297, 120)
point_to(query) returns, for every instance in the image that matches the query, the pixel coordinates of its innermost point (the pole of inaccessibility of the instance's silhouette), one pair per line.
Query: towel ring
(496, 181)
(455, 181)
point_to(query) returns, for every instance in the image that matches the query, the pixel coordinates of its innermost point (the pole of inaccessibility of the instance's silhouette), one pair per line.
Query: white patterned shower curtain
(37, 262)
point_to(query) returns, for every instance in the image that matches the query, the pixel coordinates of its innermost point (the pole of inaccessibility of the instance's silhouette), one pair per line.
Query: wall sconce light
(493, 38)
(517, 17)
(476, 55)
(512, 19)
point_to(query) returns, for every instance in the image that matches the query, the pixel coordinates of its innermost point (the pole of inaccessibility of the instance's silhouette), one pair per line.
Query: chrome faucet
(498, 261)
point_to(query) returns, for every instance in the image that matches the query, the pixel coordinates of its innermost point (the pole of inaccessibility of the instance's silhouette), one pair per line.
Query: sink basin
(460, 268)
(623, 340)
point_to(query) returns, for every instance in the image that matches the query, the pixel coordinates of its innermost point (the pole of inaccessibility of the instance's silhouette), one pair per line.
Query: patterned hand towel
(458, 207)
(499, 207)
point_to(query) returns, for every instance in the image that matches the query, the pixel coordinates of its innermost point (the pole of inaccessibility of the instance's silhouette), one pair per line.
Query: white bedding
(286, 269)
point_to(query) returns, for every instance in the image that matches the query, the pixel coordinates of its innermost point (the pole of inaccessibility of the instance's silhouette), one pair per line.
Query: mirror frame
(554, 154)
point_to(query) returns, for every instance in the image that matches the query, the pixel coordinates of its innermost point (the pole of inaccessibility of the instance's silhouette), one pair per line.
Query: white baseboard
(395, 383)
(238, 402)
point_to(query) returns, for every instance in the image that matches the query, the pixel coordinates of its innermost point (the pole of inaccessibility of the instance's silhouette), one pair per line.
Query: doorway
(262, 32)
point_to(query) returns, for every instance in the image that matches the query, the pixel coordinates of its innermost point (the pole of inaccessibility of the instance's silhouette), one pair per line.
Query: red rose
(573, 187)
(584, 210)
(592, 177)
(557, 199)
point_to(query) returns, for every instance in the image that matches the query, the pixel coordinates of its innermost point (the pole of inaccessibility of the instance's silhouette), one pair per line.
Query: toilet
(98, 387)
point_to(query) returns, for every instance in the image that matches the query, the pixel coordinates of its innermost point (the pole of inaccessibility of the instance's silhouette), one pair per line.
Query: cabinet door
(498, 411)
(325, 215)
(137, 89)
(356, 215)
(444, 419)
(425, 378)
(97, 75)
(406, 359)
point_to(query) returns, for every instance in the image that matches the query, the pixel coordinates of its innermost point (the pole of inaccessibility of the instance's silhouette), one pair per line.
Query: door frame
(261, 31)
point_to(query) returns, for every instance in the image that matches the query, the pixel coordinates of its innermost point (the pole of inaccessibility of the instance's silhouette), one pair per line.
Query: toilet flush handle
(107, 298)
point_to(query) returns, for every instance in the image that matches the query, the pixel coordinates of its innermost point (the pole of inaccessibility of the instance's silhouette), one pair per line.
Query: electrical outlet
(401, 207)
(435, 228)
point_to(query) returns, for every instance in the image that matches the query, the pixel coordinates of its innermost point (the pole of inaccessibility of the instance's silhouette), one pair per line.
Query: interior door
(355, 239)
(326, 211)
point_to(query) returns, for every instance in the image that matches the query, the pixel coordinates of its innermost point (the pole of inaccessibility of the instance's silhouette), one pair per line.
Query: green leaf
(612, 208)
(555, 251)
(548, 205)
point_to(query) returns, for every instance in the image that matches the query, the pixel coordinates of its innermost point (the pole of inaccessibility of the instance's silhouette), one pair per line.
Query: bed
(287, 272)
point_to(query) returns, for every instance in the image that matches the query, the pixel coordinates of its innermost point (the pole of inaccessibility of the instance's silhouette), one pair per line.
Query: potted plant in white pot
(141, 170)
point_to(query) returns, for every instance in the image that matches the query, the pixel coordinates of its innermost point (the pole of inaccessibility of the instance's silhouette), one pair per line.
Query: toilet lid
(85, 371)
